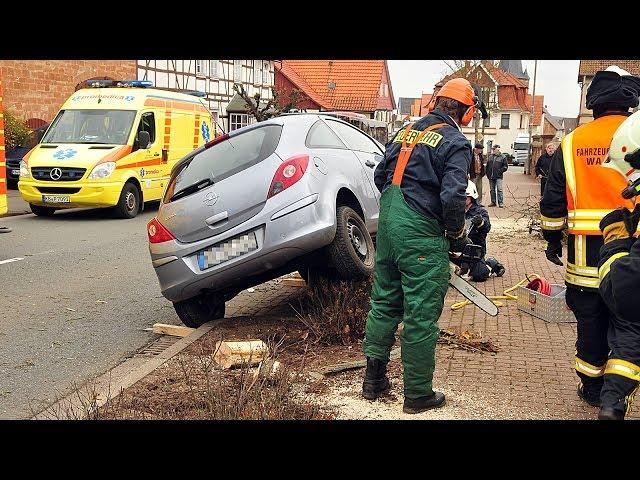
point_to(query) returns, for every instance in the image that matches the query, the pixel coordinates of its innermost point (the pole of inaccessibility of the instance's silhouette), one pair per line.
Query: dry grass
(192, 386)
(335, 312)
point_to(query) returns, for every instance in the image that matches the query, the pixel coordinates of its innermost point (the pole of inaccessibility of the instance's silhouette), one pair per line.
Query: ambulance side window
(147, 124)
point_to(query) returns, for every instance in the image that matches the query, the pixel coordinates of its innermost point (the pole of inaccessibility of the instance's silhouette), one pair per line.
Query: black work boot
(422, 404)
(589, 394)
(610, 413)
(376, 381)
(496, 267)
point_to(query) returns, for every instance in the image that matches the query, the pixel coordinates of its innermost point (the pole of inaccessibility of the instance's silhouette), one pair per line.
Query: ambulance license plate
(55, 199)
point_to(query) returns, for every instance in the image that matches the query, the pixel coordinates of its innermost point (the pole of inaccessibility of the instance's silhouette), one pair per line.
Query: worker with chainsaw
(619, 271)
(579, 193)
(423, 178)
(478, 226)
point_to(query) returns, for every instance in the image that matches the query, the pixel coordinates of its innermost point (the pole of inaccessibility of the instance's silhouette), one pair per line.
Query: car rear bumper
(282, 236)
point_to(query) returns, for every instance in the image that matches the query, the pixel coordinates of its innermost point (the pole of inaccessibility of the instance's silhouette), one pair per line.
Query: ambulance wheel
(199, 310)
(129, 203)
(42, 211)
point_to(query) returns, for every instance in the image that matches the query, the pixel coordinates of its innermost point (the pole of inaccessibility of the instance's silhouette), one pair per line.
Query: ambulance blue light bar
(120, 83)
(195, 93)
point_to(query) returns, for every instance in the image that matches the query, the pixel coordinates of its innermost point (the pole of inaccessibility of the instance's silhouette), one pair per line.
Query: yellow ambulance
(113, 145)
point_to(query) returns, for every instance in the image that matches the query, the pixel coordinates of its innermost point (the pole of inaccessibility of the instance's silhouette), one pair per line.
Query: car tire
(42, 211)
(352, 252)
(199, 310)
(129, 203)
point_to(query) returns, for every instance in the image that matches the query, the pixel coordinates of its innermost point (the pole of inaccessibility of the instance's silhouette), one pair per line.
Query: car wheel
(42, 211)
(351, 252)
(199, 310)
(129, 203)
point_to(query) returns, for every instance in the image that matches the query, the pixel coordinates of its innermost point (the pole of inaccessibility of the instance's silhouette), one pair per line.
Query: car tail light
(157, 232)
(288, 173)
(219, 139)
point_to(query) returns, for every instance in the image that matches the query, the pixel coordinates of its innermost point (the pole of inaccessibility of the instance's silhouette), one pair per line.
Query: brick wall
(37, 88)
(3, 167)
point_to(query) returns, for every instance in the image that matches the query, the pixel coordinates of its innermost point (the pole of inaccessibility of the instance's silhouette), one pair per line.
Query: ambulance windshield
(91, 126)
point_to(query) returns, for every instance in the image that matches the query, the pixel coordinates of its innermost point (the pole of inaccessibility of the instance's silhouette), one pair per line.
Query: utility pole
(527, 169)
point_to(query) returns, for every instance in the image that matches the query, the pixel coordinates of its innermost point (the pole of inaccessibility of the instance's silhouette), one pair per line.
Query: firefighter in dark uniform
(579, 193)
(423, 178)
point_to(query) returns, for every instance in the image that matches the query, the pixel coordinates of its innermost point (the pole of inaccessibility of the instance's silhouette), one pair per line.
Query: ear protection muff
(470, 112)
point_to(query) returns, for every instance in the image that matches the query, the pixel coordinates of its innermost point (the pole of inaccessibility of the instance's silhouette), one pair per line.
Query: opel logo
(55, 174)
(211, 198)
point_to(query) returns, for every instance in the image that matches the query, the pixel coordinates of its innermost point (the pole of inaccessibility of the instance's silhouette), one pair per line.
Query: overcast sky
(557, 80)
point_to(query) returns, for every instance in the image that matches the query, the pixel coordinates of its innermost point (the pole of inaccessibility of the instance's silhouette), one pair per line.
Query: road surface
(77, 291)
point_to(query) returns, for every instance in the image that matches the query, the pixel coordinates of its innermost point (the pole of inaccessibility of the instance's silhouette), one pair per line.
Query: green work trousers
(410, 281)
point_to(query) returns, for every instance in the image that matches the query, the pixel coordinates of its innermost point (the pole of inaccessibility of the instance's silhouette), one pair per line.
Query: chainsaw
(470, 255)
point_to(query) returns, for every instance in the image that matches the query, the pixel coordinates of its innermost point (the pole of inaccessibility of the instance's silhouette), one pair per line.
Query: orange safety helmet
(461, 90)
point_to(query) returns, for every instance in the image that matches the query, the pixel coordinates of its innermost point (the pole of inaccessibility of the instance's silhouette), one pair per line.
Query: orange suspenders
(405, 151)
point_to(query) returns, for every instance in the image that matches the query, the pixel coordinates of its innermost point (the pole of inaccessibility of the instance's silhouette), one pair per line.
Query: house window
(521, 120)
(257, 72)
(486, 122)
(265, 73)
(238, 120)
(504, 120)
(213, 68)
(237, 70)
(199, 67)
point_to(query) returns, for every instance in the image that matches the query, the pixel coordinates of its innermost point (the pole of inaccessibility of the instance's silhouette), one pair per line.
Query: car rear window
(226, 158)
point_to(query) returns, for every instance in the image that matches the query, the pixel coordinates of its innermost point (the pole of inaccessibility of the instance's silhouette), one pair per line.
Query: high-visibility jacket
(579, 192)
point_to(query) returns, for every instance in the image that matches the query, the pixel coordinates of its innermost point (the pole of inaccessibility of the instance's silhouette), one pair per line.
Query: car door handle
(370, 163)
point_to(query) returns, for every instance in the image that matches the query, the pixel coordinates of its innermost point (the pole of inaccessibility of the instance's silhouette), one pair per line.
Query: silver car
(292, 193)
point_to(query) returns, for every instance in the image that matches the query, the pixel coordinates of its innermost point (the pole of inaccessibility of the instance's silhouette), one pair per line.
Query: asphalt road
(75, 303)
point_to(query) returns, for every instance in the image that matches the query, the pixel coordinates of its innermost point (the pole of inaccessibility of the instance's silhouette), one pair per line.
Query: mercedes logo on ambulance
(55, 173)
(210, 199)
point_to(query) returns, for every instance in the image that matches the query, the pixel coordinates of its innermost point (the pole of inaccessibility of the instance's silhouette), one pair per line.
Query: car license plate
(227, 250)
(55, 199)
(15, 172)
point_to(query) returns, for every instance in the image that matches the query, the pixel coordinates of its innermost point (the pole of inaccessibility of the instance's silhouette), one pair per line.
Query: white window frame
(213, 68)
(238, 120)
(198, 68)
(266, 74)
(257, 72)
(237, 71)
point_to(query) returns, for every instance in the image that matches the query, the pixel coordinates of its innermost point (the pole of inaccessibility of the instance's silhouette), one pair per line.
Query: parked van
(113, 145)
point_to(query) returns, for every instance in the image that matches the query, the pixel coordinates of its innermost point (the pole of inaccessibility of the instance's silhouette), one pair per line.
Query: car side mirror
(144, 139)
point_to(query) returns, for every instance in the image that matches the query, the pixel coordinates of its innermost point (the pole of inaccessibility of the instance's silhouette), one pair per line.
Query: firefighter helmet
(625, 142)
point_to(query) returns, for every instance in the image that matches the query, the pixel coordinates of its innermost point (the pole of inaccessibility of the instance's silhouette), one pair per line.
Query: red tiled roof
(301, 84)
(538, 106)
(357, 82)
(590, 67)
(424, 103)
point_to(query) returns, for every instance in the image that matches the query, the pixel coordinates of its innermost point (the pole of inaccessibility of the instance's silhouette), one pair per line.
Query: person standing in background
(477, 169)
(543, 164)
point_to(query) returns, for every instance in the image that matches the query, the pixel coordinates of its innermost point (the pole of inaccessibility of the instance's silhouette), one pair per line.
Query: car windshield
(520, 146)
(91, 126)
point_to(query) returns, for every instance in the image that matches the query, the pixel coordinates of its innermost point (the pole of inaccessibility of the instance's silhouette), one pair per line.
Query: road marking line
(17, 259)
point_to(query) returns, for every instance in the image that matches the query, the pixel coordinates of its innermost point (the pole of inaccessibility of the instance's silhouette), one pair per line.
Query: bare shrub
(335, 312)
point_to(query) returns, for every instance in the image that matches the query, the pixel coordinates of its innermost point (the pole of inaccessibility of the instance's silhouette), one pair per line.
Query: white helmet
(626, 140)
(617, 69)
(472, 191)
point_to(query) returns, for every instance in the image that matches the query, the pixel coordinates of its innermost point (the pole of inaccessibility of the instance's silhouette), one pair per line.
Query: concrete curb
(110, 384)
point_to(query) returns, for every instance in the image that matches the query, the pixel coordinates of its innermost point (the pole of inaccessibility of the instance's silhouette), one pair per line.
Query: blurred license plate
(55, 199)
(227, 250)
(15, 172)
